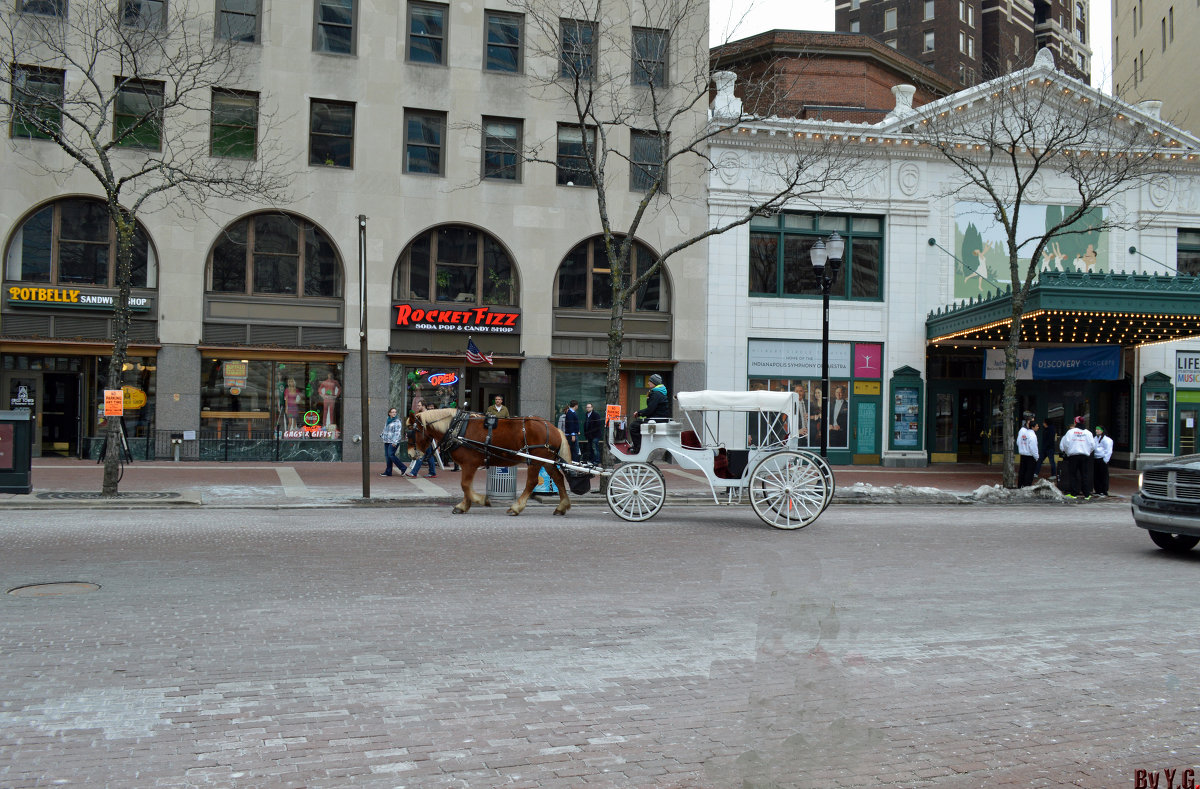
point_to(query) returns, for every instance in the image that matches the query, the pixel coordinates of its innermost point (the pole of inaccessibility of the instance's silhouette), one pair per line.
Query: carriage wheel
(636, 491)
(826, 472)
(789, 489)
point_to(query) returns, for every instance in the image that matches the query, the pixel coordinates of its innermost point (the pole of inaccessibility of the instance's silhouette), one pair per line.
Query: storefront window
(72, 242)
(257, 399)
(811, 414)
(431, 387)
(581, 385)
(139, 378)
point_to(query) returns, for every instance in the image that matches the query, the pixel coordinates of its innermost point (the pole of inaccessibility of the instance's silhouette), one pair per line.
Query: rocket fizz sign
(477, 320)
(981, 246)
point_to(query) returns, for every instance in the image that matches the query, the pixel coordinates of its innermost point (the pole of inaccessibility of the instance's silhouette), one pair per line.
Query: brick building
(832, 76)
(970, 41)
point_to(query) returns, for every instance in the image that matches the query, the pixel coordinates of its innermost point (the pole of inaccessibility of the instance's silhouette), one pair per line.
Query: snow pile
(894, 494)
(1041, 491)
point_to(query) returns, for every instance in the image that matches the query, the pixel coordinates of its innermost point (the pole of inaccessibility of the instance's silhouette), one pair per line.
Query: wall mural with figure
(982, 246)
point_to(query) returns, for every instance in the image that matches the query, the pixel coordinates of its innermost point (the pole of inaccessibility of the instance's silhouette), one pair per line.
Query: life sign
(114, 402)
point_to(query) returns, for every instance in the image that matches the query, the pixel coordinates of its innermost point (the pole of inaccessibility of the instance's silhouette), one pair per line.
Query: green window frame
(779, 256)
(37, 99)
(234, 124)
(138, 114)
(1187, 252)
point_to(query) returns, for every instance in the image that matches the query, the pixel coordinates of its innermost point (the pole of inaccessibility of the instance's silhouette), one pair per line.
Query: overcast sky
(734, 19)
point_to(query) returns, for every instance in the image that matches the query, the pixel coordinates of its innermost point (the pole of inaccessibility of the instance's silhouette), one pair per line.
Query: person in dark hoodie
(658, 409)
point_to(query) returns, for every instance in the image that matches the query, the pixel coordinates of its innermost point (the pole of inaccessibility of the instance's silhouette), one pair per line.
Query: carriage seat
(651, 428)
(689, 439)
(730, 463)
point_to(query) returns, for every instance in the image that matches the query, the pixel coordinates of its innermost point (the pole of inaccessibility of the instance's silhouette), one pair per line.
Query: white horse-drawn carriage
(788, 487)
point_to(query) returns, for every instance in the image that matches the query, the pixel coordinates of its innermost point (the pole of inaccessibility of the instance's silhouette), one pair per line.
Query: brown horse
(530, 435)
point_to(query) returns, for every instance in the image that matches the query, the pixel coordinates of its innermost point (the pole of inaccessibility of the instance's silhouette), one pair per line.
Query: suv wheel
(1175, 543)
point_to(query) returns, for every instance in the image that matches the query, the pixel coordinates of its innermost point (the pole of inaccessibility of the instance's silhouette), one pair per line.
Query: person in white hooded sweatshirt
(1078, 445)
(1100, 459)
(1027, 448)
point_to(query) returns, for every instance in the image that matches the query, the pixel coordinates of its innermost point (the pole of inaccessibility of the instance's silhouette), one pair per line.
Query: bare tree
(1037, 127)
(126, 91)
(640, 71)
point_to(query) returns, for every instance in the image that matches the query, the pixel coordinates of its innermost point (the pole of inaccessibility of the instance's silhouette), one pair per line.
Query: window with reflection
(456, 264)
(780, 264)
(275, 255)
(585, 279)
(73, 242)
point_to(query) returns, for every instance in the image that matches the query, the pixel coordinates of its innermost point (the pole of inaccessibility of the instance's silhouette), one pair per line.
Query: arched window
(585, 281)
(456, 264)
(275, 255)
(73, 242)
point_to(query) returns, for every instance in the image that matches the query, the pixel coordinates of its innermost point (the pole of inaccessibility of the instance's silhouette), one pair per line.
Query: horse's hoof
(560, 512)
(487, 502)
(457, 511)
(513, 512)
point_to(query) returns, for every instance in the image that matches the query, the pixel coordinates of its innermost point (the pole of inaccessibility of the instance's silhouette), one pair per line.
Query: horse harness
(455, 437)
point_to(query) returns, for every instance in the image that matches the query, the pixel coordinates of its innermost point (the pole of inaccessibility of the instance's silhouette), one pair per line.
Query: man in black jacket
(593, 429)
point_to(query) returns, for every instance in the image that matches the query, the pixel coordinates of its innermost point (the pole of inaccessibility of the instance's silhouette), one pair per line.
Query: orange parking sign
(114, 402)
(612, 413)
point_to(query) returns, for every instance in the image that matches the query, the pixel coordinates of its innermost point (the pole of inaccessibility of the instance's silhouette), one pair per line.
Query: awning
(1080, 309)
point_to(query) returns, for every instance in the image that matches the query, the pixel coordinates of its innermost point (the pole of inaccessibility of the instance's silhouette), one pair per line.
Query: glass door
(23, 392)
(1187, 432)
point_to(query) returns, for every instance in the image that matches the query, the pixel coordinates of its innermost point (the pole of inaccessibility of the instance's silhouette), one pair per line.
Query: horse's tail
(564, 448)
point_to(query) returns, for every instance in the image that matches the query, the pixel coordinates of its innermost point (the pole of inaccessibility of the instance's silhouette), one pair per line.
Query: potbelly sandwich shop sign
(475, 320)
(19, 296)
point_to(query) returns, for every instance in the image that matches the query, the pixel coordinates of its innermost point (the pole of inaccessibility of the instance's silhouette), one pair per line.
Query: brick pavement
(306, 484)
(407, 648)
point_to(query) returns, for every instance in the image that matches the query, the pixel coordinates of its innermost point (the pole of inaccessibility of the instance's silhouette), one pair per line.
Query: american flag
(473, 354)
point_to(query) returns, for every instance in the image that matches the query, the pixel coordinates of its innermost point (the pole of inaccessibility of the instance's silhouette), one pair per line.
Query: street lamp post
(826, 251)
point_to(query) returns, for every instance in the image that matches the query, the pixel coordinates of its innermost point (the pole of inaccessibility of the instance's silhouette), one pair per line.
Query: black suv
(1167, 503)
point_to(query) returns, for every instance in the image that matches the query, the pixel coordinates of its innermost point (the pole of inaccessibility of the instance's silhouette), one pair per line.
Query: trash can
(16, 452)
(502, 483)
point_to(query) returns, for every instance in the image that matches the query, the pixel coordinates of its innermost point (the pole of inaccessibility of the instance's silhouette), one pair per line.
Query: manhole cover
(53, 590)
(80, 495)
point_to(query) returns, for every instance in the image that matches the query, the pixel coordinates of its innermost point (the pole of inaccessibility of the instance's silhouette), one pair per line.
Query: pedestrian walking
(1078, 445)
(571, 428)
(1047, 448)
(1027, 448)
(1100, 460)
(429, 459)
(393, 431)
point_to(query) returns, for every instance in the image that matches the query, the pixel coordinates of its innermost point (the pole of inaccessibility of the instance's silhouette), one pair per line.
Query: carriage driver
(658, 409)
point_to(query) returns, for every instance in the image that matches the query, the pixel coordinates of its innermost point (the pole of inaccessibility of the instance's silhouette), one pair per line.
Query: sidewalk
(67, 482)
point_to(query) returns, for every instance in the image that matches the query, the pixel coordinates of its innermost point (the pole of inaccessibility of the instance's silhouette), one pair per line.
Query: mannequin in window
(329, 392)
(291, 404)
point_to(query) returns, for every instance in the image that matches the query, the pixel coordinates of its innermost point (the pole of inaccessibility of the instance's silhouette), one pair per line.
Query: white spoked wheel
(827, 472)
(789, 489)
(636, 491)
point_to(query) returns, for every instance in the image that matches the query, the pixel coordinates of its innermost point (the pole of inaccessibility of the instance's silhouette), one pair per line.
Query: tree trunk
(113, 448)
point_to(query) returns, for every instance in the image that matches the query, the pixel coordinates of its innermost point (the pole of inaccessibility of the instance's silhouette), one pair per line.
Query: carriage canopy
(717, 400)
